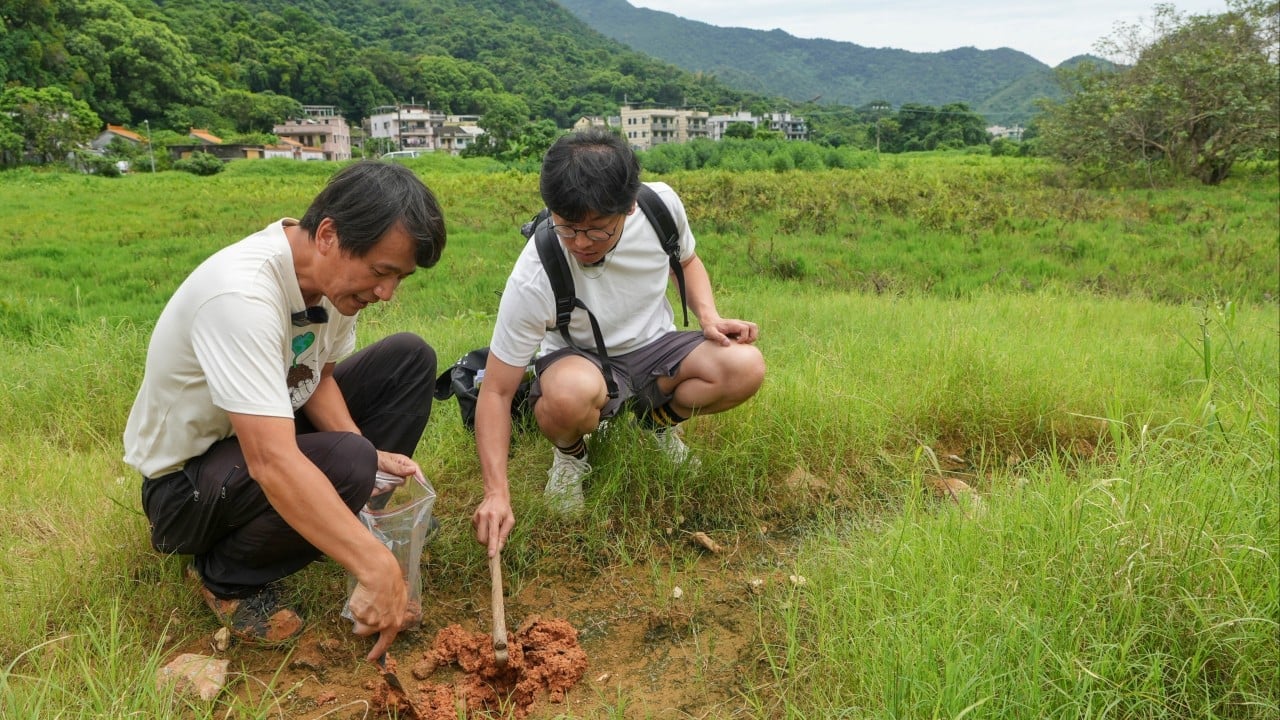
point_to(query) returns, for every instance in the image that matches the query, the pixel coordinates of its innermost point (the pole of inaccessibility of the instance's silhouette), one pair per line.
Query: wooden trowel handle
(499, 615)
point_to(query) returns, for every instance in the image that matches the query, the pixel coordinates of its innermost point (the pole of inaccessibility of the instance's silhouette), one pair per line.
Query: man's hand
(397, 464)
(380, 610)
(493, 518)
(725, 332)
(493, 521)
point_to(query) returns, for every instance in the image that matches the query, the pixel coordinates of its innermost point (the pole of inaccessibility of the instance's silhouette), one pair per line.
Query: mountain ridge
(1004, 83)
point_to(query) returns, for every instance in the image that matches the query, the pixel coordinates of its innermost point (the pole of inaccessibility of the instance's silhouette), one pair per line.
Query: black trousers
(212, 509)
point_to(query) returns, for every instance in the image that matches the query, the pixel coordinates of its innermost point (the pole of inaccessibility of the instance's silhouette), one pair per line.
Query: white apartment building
(646, 128)
(716, 124)
(1000, 131)
(791, 126)
(409, 127)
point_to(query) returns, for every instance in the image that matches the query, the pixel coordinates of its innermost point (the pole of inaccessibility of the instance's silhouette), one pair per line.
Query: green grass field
(1099, 368)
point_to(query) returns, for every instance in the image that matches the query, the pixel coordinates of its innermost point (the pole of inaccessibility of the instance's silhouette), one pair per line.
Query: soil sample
(543, 659)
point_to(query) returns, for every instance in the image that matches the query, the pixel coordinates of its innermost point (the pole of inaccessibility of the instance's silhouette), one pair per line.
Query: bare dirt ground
(677, 641)
(676, 636)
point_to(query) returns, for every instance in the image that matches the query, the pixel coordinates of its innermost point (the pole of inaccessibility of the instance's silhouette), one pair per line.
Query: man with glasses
(589, 182)
(258, 434)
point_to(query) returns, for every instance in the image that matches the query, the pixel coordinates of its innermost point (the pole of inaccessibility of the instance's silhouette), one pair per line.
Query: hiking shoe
(258, 617)
(564, 482)
(669, 442)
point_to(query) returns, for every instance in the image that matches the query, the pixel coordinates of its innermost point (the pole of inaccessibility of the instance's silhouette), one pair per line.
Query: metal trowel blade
(390, 677)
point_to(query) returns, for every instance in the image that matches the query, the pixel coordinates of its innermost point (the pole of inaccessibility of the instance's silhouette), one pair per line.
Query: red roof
(122, 132)
(205, 136)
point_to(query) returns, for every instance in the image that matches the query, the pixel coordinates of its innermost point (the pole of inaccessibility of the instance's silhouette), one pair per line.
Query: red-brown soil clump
(543, 657)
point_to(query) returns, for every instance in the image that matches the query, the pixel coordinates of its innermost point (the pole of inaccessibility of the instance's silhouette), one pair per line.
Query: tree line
(1191, 97)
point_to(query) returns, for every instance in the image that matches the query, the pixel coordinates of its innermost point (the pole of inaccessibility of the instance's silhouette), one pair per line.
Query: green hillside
(165, 61)
(1002, 84)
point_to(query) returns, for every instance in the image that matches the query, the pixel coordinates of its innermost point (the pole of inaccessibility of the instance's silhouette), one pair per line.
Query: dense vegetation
(241, 66)
(1198, 94)
(1193, 98)
(172, 62)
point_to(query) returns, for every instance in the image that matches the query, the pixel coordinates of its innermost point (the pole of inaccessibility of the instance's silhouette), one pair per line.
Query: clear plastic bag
(399, 515)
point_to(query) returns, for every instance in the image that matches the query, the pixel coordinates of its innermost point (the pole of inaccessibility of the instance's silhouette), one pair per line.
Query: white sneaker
(564, 482)
(673, 447)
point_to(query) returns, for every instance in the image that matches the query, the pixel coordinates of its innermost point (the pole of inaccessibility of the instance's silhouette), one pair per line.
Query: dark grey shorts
(636, 373)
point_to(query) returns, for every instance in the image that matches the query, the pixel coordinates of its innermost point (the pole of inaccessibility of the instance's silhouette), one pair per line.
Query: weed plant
(1122, 437)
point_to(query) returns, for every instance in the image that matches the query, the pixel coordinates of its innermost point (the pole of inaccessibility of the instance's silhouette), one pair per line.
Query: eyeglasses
(596, 235)
(314, 315)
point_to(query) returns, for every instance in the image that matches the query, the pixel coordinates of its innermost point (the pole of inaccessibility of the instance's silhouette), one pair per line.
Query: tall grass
(1144, 583)
(1122, 561)
(1141, 588)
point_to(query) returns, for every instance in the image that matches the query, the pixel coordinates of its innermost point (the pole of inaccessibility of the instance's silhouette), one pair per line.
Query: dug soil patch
(675, 638)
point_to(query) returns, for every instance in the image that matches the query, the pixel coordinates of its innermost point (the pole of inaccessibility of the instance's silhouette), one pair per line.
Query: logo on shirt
(301, 379)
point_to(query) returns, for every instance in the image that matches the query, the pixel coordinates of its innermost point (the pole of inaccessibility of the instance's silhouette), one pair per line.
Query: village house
(322, 128)
(405, 127)
(113, 132)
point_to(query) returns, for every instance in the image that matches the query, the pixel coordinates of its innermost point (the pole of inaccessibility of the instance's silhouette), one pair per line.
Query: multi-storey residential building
(1000, 131)
(646, 128)
(321, 128)
(791, 127)
(408, 127)
(716, 124)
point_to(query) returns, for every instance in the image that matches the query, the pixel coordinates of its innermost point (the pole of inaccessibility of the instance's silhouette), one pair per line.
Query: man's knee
(569, 395)
(736, 370)
(415, 350)
(351, 465)
(746, 369)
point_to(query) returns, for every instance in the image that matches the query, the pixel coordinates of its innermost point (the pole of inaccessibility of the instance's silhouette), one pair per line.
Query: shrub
(200, 164)
(96, 164)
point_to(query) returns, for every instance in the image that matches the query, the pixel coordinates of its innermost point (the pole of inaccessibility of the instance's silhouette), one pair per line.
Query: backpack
(553, 261)
(462, 380)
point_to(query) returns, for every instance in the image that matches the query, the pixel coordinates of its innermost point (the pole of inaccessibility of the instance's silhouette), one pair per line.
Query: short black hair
(592, 171)
(368, 198)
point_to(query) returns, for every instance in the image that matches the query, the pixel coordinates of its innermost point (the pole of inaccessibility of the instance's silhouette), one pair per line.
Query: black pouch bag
(462, 380)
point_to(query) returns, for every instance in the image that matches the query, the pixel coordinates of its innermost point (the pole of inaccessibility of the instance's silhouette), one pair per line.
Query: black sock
(578, 449)
(661, 418)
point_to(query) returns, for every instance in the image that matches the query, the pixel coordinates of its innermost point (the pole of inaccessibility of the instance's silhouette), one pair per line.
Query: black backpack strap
(557, 269)
(528, 228)
(659, 216)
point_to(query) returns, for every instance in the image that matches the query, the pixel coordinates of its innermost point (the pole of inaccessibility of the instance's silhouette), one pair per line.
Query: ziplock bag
(401, 523)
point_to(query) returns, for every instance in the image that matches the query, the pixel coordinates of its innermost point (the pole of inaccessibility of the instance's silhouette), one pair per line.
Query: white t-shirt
(225, 342)
(627, 294)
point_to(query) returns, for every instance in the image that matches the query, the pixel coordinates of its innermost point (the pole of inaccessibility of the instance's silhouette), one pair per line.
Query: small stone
(192, 674)
(307, 659)
(222, 640)
(704, 540)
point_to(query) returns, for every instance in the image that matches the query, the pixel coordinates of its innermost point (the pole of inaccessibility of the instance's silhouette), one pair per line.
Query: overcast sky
(1048, 30)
